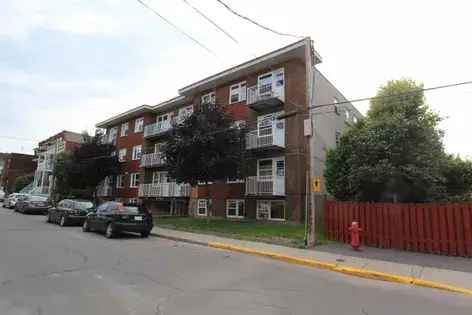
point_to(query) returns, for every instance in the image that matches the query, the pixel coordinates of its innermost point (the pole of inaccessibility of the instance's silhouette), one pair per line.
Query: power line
(393, 95)
(256, 23)
(211, 21)
(178, 29)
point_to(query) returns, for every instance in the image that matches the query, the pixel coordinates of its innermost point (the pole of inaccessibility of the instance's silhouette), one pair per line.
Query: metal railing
(157, 128)
(164, 190)
(271, 185)
(152, 159)
(258, 93)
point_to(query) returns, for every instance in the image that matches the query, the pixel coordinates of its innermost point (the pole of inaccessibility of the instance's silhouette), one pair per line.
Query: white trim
(211, 95)
(119, 181)
(120, 159)
(241, 96)
(134, 180)
(238, 210)
(124, 131)
(141, 124)
(273, 54)
(198, 207)
(137, 152)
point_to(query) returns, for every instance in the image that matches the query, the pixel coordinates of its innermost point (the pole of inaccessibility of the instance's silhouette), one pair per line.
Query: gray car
(12, 199)
(33, 204)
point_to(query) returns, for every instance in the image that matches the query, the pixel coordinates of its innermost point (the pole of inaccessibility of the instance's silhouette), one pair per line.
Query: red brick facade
(16, 165)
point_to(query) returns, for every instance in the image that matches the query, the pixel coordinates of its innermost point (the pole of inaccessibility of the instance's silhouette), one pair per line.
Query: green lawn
(283, 233)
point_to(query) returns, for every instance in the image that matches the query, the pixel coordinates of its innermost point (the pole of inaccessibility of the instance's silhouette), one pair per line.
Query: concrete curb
(362, 273)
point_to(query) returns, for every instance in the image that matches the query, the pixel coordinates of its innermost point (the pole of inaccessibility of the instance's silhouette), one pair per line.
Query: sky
(71, 64)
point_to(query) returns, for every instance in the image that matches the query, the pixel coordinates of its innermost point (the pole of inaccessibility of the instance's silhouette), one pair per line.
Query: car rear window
(83, 205)
(130, 209)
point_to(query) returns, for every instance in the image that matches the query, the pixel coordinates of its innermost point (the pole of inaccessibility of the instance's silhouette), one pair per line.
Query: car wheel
(109, 233)
(63, 221)
(85, 227)
(145, 234)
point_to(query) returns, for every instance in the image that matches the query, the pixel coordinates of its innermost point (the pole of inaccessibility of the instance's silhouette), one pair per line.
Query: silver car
(12, 199)
(33, 204)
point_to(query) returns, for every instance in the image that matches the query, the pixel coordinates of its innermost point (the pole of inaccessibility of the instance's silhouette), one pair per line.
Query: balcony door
(272, 84)
(267, 169)
(270, 131)
(159, 178)
(162, 121)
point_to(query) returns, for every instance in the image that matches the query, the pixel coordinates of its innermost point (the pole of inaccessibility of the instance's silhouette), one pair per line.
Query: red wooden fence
(437, 228)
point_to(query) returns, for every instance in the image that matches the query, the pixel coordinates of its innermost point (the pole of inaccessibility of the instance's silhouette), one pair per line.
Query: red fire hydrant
(355, 239)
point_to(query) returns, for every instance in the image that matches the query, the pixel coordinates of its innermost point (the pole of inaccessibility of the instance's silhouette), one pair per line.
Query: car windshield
(37, 198)
(83, 205)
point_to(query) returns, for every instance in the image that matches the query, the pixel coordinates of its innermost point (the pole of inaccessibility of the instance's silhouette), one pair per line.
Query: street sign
(316, 185)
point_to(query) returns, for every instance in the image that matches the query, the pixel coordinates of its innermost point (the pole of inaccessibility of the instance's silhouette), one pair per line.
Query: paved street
(48, 270)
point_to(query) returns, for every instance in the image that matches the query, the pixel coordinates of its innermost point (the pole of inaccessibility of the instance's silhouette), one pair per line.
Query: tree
(458, 175)
(23, 181)
(80, 171)
(205, 147)
(394, 154)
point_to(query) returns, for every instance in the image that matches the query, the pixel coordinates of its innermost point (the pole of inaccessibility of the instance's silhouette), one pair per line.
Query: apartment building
(14, 165)
(278, 157)
(126, 131)
(46, 153)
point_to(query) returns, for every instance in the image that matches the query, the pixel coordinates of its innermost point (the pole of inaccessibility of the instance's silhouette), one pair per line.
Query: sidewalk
(453, 271)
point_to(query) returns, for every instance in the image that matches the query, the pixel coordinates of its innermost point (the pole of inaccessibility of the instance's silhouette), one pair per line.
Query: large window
(119, 181)
(137, 152)
(209, 98)
(122, 155)
(271, 210)
(139, 124)
(265, 168)
(235, 208)
(159, 178)
(112, 134)
(202, 207)
(134, 180)
(162, 121)
(124, 129)
(237, 92)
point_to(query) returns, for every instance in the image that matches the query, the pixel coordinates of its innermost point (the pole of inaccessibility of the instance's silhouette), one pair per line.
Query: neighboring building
(47, 152)
(126, 131)
(13, 165)
(278, 153)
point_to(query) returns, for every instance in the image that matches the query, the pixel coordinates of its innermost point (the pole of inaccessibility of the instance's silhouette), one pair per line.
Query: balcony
(45, 165)
(276, 139)
(265, 186)
(164, 190)
(104, 190)
(152, 160)
(157, 129)
(264, 97)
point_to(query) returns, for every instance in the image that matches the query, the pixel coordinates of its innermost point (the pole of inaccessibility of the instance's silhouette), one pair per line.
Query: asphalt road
(49, 270)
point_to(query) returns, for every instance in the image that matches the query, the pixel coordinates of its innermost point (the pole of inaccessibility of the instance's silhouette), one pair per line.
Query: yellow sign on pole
(316, 185)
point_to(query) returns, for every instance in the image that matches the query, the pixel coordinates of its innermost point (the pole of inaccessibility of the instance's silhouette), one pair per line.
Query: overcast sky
(70, 64)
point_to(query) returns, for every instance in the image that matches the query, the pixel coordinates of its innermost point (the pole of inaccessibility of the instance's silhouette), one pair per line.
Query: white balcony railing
(256, 141)
(157, 128)
(104, 190)
(152, 159)
(270, 185)
(164, 190)
(258, 93)
(46, 165)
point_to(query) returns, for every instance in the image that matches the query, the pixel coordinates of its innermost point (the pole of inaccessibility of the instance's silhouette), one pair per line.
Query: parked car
(12, 199)
(32, 204)
(2, 195)
(70, 212)
(113, 217)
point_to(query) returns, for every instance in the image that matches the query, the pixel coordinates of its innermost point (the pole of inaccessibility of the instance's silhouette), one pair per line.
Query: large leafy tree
(205, 147)
(23, 181)
(80, 171)
(394, 154)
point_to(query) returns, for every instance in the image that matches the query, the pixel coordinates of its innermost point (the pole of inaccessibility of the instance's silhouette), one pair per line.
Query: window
(237, 92)
(119, 181)
(159, 178)
(209, 98)
(162, 121)
(124, 129)
(265, 168)
(158, 147)
(271, 210)
(264, 125)
(139, 125)
(134, 180)
(112, 133)
(235, 208)
(137, 152)
(202, 207)
(184, 113)
(122, 155)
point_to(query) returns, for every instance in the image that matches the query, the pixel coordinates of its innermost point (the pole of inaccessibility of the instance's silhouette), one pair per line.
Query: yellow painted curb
(363, 273)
